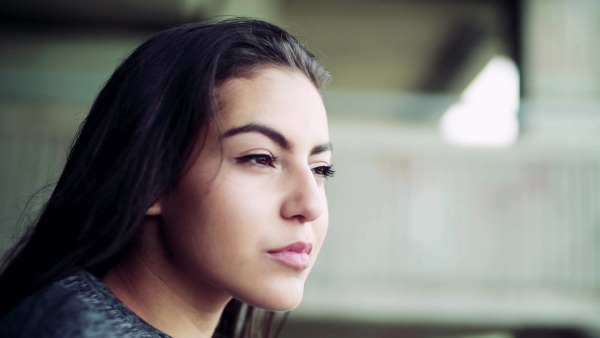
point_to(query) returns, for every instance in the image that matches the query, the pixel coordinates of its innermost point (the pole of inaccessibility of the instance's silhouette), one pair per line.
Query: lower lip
(292, 259)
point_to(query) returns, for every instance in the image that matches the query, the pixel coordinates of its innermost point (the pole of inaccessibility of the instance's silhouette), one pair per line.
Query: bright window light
(486, 114)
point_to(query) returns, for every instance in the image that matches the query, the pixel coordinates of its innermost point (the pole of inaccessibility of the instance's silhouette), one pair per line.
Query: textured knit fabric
(78, 305)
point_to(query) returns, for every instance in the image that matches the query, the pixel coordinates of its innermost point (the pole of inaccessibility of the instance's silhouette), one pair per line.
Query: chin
(286, 304)
(276, 298)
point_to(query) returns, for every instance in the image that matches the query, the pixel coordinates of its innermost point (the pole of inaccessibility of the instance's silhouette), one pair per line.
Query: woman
(195, 185)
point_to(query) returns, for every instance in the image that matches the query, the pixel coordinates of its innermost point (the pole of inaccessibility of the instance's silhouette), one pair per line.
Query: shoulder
(77, 305)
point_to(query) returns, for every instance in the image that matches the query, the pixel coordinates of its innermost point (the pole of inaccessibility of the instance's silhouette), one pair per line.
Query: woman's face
(249, 217)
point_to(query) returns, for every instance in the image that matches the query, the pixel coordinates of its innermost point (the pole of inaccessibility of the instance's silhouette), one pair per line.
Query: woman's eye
(258, 159)
(325, 171)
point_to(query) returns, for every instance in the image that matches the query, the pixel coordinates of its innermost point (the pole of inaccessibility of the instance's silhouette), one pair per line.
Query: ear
(155, 209)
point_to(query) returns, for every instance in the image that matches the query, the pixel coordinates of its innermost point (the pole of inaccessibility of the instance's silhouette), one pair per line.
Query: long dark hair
(134, 146)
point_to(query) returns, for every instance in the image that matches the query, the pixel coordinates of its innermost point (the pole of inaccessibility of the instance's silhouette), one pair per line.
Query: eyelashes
(258, 159)
(324, 170)
(268, 160)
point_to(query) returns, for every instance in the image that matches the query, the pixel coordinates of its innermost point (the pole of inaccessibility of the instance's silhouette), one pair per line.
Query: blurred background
(467, 144)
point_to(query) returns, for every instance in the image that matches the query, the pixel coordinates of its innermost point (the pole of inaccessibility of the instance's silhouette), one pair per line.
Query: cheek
(186, 216)
(236, 216)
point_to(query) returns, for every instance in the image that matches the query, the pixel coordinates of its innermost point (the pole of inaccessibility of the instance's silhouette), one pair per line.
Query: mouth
(295, 255)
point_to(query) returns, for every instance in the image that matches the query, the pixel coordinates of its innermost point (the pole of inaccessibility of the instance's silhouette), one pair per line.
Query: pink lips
(295, 255)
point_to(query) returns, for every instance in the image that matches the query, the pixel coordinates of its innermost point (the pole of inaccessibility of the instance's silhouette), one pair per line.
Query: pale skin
(256, 186)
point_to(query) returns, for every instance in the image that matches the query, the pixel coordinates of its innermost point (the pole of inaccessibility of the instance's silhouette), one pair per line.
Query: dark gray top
(78, 305)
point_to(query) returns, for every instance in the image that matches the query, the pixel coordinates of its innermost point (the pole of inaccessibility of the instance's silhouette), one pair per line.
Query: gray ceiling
(378, 45)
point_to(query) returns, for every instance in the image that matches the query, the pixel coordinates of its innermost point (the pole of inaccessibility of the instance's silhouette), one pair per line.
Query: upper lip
(302, 247)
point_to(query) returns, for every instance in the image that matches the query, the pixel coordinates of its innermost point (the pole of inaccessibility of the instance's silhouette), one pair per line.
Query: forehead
(283, 99)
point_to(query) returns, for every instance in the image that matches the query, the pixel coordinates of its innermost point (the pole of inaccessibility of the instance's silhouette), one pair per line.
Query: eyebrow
(321, 148)
(269, 132)
(274, 135)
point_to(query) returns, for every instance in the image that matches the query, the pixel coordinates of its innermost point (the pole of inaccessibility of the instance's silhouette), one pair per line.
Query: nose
(304, 198)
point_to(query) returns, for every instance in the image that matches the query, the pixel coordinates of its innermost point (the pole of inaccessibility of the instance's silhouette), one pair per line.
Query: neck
(148, 284)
